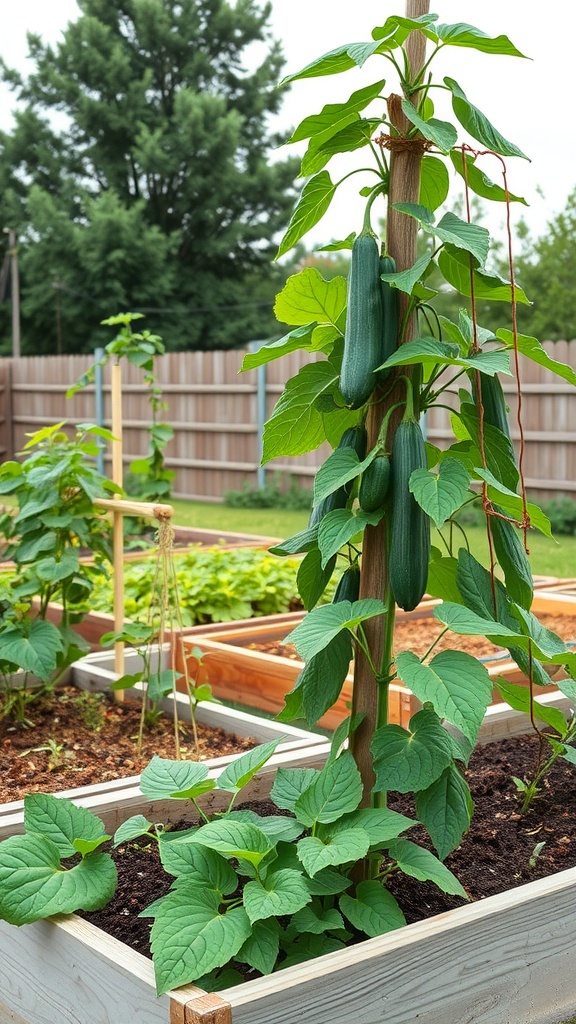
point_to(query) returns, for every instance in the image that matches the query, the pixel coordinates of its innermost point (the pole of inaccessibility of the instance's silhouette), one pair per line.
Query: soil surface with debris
(76, 738)
(502, 849)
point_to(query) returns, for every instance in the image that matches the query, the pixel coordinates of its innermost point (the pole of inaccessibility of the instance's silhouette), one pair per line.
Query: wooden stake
(401, 244)
(118, 520)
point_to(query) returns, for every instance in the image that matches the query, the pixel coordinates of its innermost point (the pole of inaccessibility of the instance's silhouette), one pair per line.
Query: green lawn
(547, 557)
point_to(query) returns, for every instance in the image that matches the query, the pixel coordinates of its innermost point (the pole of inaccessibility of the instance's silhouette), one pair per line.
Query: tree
(137, 174)
(547, 272)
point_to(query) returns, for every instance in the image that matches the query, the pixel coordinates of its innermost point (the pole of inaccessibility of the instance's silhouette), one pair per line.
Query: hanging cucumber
(512, 559)
(390, 313)
(348, 587)
(357, 439)
(493, 403)
(364, 323)
(409, 552)
(375, 484)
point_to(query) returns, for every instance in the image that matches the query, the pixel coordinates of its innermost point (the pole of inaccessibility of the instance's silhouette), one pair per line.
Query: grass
(547, 557)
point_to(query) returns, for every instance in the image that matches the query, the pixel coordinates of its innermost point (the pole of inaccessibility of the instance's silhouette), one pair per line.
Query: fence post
(260, 412)
(99, 400)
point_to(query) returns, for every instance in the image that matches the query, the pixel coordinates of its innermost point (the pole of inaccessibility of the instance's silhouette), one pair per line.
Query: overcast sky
(529, 101)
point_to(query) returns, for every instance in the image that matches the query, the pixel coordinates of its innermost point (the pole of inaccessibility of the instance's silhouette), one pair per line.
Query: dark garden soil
(417, 634)
(501, 851)
(80, 738)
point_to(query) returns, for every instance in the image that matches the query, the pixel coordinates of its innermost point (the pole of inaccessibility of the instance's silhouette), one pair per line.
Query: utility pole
(15, 291)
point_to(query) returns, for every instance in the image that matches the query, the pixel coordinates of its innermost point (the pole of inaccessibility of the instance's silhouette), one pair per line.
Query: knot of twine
(398, 144)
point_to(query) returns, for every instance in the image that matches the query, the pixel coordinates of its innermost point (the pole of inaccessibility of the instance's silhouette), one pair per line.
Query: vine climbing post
(405, 161)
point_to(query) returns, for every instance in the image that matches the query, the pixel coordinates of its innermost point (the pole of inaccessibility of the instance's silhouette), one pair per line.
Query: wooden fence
(216, 414)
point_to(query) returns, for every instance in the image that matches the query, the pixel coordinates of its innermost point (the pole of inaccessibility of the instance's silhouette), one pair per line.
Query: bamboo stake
(118, 519)
(147, 509)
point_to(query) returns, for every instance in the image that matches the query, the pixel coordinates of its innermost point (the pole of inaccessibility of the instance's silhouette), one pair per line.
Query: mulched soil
(417, 634)
(80, 738)
(498, 853)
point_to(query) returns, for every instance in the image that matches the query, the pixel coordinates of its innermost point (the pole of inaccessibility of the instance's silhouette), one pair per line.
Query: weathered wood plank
(506, 958)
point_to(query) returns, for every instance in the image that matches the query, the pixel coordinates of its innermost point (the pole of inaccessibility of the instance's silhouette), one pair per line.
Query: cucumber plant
(270, 893)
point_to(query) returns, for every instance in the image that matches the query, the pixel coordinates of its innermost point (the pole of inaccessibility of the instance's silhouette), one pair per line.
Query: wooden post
(401, 244)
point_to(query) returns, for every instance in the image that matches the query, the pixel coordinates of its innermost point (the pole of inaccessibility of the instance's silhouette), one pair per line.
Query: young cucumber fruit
(363, 337)
(348, 587)
(409, 552)
(374, 484)
(355, 438)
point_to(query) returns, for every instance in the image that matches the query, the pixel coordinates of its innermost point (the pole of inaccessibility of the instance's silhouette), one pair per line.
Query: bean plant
(271, 892)
(52, 522)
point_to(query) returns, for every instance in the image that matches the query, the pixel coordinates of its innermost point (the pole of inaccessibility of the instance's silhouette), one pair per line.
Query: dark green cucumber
(493, 403)
(357, 439)
(364, 323)
(390, 313)
(374, 484)
(512, 559)
(409, 552)
(348, 587)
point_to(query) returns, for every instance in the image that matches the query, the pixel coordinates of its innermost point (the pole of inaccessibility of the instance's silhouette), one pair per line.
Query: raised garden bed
(509, 956)
(94, 674)
(246, 662)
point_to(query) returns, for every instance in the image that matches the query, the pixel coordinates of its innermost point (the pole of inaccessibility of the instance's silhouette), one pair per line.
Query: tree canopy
(547, 272)
(138, 174)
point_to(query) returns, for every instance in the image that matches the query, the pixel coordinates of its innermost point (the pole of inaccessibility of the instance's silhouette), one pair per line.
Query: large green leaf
(345, 847)
(405, 280)
(35, 651)
(54, 570)
(461, 34)
(33, 884)
(380, 823)
(500, 457)
(300, 337)
(532, 349)
(190, 936)
(340, 526)
(283, 892)
(333, 116)
(455, 267)
(316, 920)
(195, 863)
(352, 137)
(479, 182)
(477, 125)
(163, 777)
(289, 784)
(341, 466)
(454, 682)
(239, 839)
(442, 579)
(316, 197)
(342, 58)
(434, 182)
(451, 230)
(323, 676)
(445, 809)
(318, 628)
(441, 494)
(239, 772)
(441, 133)
(306, 296)
(260, 950)
(423, 865)
(411, 759)
(518, 697)
(336, 790)
(373, 911)
(61, 821)
(296, 425)
(442, 353)
(312, 578)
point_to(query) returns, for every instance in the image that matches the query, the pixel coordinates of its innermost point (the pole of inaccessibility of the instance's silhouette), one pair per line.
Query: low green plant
(54, 487)
(92, 710)
(214, 585)
(237, 872)
(272, 495)
(148, 477)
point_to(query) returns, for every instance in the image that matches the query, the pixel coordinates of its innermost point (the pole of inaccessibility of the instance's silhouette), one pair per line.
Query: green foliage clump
(562, 515)
(272, 495)
(214, 585)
